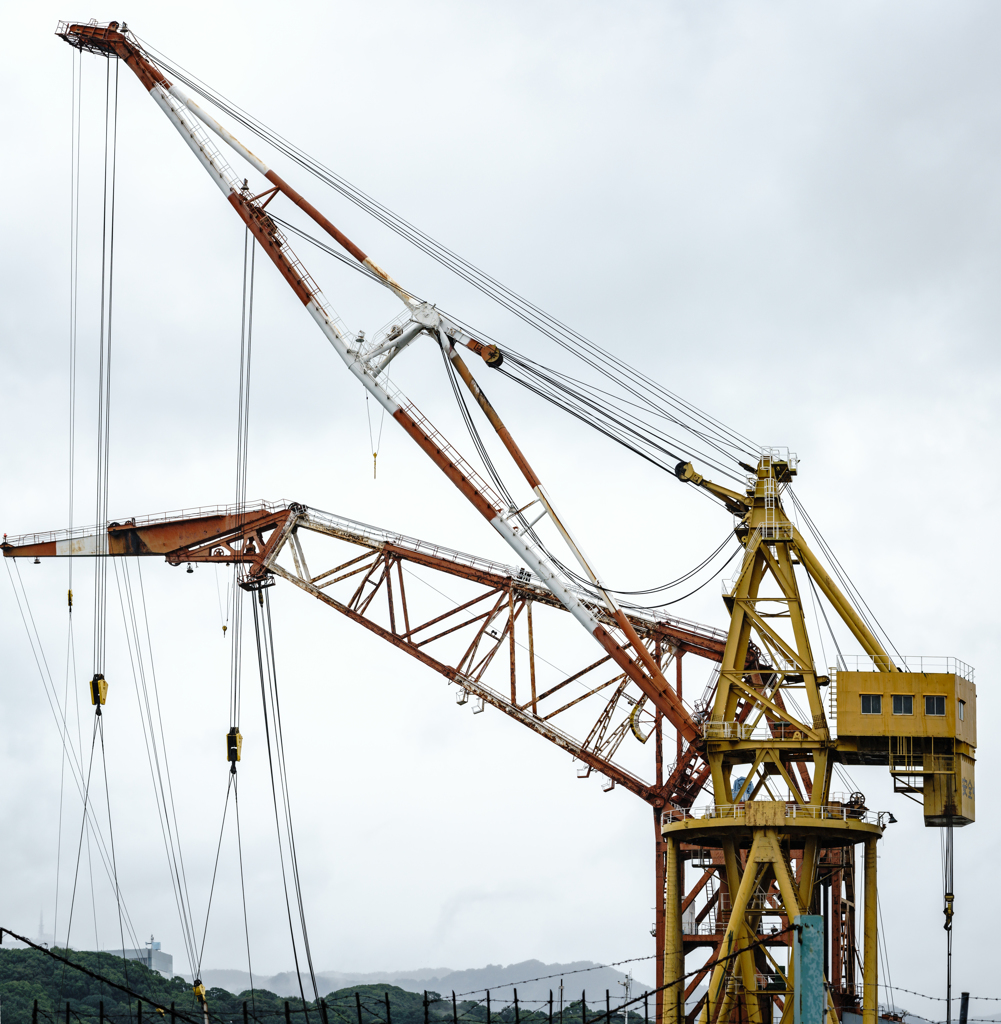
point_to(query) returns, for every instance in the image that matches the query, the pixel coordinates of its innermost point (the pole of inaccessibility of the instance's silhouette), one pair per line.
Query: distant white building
(152, 956)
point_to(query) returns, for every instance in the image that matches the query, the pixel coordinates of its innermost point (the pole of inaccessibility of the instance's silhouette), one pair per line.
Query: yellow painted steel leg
(674, 956)
(808, 873)
(731, 938)
(870, 991)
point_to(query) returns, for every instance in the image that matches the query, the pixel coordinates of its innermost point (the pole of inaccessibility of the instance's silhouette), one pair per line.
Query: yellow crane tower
(770, 829)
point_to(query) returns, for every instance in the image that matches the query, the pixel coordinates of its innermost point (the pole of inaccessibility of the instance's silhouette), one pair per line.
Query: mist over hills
(577, 977)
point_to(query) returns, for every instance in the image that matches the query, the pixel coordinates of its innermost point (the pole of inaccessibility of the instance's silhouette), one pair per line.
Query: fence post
(288, 1013)
(389, 1016)
(323, 1010)
(173, 1015)
(358, 1006)
(646, 1009)
(425, 1006)
(550, 1006)
(34, 1012)
(100, 1011)
(608, 1008)
(517, 1014)
(245, 1017)
(583, 1006)
(455, 1009)
(964, 1006)
(68, 1012)
(488, 1006)
(139, 1012)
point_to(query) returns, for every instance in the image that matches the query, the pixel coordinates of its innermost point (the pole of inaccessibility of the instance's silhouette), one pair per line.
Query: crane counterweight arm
(734, 502)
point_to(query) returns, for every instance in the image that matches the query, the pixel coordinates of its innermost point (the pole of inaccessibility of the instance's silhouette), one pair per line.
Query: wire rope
(74, 759)
(863, 609)
(266, 668)
(611, 366)
(283, 770)
(104, 358)
(215, 871)
(586, 402)
(114, 859)
(243, 888)
(76, 103)
(83, 825)
(156, 751)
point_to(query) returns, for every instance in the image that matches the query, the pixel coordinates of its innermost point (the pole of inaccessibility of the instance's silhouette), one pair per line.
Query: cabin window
(872, 704)
(903, 704)
(934, 705)
(961, 709)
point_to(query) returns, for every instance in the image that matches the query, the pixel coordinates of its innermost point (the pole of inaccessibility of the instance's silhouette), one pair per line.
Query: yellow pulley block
(199, 990)
(98, 689)
(634, 722)
(234, 744)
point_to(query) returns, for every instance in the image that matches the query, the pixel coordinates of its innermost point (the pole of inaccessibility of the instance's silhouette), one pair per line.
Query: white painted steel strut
(176, 105)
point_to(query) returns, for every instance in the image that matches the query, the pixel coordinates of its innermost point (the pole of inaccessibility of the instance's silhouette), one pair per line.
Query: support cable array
(276, 757)
(148, 698)
(644, 393)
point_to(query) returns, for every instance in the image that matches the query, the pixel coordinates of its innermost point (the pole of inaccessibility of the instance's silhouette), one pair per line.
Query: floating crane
(775, 843)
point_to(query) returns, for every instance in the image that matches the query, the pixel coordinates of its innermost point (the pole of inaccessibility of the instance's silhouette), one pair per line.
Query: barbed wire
(942, 999)
(561, 974)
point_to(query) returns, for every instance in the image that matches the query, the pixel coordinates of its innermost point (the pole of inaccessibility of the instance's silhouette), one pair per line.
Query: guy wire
(265, 665)
(230, 776)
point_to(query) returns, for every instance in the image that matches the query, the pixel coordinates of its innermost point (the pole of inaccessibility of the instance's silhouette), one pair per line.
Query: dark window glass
(872, 704)
(962, 709)
(934, 705)
(903, 704)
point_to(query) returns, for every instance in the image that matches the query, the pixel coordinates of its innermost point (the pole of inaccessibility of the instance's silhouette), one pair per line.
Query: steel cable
(266, 668)
(567, 338)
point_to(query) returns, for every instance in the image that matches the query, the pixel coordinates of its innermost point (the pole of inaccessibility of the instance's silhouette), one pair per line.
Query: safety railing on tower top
(793, 811)
(933, 663)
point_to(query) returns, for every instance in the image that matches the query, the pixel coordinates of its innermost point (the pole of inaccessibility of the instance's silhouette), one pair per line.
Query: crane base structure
(766, 843)
(775, 829)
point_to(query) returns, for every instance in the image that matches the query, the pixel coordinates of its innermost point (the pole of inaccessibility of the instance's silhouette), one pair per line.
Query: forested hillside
(65, 995)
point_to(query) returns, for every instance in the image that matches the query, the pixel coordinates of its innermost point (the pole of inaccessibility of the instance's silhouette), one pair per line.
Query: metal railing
(793, 811)
(194, 512)
(762, 729)
(933, 663)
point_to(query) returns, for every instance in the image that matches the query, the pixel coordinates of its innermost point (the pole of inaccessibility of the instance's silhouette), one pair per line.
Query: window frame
(877, 697)
(902, 697)
(929, 697)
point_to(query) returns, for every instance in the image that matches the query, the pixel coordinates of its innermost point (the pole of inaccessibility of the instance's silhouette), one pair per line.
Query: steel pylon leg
(870, 979)
(674, 950)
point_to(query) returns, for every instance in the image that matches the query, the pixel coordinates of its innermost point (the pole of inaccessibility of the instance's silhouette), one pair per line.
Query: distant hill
(577, 977)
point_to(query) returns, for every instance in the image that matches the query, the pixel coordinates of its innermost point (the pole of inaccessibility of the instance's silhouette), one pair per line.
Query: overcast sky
(787, 213)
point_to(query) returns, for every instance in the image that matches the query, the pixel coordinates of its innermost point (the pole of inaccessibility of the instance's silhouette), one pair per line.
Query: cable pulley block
(490, 354)
(234, 744)
(98, 690)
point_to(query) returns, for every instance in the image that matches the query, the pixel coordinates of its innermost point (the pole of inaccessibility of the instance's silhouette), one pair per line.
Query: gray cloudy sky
(788, 213)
